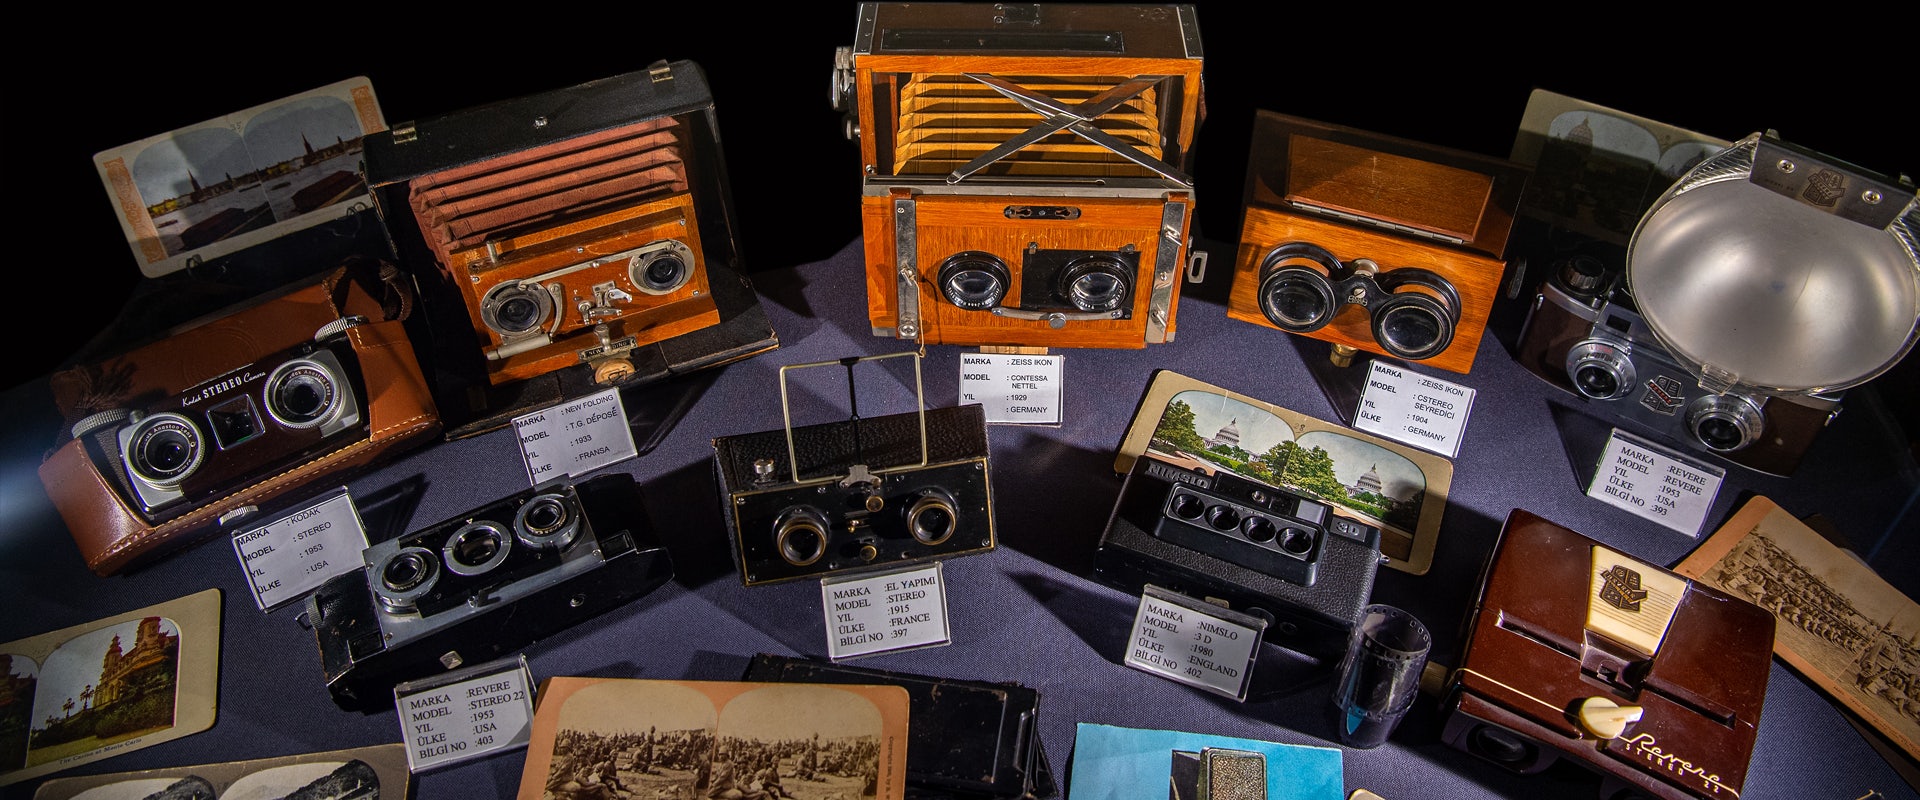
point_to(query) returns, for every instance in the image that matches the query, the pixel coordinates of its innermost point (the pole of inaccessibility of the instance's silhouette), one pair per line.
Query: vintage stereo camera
(1578, 652)
(1025, 169)
(970, 740)
(864, 493)
(482, 584)
(1749, 299)
(1372, 242)
(211, 425)
(1251, 547)
(580, 239)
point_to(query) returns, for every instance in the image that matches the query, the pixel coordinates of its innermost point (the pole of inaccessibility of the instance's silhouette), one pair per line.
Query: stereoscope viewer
(863, 494)
(570, 241)
(1025, 169)
(1578, 652)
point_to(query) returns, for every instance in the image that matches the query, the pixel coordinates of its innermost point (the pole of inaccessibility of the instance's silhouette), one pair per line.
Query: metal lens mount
(1601, 369)
(1096, 283)
(512, 309)
(1725, 422)
(974, 280)
(163, 449)
(1414, 319)
(303, 393)
(476, 548)
(405, 576)
(932, 518)
(662, 267)
(800, 534)
(547, 521)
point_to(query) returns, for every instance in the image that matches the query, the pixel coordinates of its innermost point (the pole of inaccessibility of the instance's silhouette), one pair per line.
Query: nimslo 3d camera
(482, 584)
(1214, 535)
(865, 493)
(1025, 169)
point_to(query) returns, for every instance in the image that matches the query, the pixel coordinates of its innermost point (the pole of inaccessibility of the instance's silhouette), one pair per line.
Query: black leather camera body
(1251, 547)
(1584, 335)
(483, 584)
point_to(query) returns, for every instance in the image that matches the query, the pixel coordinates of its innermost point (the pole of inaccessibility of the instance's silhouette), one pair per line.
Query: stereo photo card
(81, 694)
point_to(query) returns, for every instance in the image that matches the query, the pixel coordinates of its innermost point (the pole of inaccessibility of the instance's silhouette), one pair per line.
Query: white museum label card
(1414, 409)
(1195, 643)
(476, 713)
(1655, 483)
(575, 438)
(1013, 389)
(899, 610)
(291, 556)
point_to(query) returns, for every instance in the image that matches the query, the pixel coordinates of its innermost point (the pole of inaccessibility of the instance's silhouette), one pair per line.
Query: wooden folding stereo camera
(1371, 242)
(587, 233)
(1025, 169)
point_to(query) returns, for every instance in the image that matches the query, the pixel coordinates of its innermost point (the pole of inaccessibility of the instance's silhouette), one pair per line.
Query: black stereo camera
(864, 493)
(483, 584)
(1242, 544)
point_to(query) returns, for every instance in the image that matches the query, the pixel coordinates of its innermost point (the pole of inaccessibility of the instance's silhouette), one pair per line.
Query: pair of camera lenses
(1412, 311)
(802, 533)
(162, 450)
(1259, 529)
(546, 522)
(1094, 283)
(1602, 368)
(518, 308)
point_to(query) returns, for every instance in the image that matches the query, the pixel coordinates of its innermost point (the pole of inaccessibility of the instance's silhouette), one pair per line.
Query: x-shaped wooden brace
(1057, 116)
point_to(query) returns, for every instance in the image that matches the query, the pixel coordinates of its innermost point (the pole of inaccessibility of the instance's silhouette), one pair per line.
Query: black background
(1456, 79)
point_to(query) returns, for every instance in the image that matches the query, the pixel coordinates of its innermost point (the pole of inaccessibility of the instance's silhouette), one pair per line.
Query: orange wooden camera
(1024, 169)
(1371, 242)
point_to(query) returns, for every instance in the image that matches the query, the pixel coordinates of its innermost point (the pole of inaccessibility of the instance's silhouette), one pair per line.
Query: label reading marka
(466, 719)
(1012, 389)
(899, 610)
(295, 554)
(575, 438)
(1195, 643)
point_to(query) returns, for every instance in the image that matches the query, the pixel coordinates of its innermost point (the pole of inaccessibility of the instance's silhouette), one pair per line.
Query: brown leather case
(115, 534)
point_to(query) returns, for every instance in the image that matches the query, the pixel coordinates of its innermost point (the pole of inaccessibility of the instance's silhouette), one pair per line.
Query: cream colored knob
(1605, 718)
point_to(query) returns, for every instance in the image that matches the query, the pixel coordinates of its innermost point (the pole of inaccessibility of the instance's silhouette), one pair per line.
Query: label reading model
(1193, 642)
(291, 556)
(1012, 389)
(465, 715)
(575, 438)
(1655, 483)
(890, 611)
(1414, 409)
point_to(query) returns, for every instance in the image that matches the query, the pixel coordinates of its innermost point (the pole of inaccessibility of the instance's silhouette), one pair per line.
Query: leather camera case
(115, 533)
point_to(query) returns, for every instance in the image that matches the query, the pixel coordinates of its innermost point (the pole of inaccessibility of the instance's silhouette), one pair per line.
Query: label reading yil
(468, 718)
(291, 556)
(889, 611)
(1655, 483)
(1012, 389)
(575, 438)
(1409, 407)
(1195, 643)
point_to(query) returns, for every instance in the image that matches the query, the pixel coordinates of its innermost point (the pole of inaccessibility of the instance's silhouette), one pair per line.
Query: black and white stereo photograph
(366, 773)
(203, 191)
(796, 742)
(1836, 621)
(1211, 431)
(602, 751)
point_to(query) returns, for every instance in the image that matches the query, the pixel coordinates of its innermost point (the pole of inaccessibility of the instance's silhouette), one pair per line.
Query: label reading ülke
(575, 438)
(1012, 389)
(1655, 483)
(467, 717)
(900, 610)
(291, 556)
(1194, 642)
(1409, 407)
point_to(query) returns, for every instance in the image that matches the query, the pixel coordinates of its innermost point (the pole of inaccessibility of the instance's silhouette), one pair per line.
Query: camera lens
(801, 535)
(1095, 283)
(515, 308)
(1297, 299)
(974, 280)
(932, 519)
(1600, 369)
(477, 548)
(1259, 529)
(1298, 541)
(664, 268)
(1188, 506)
(546, 521)
(1725, 422)
(406, 575)
(1223, 518)
(302, 394)
(164, 449)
